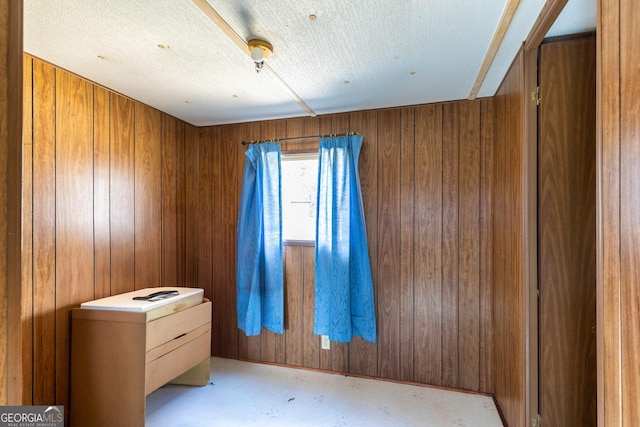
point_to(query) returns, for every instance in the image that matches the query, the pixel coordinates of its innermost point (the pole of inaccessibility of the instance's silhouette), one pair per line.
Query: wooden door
(567, 233)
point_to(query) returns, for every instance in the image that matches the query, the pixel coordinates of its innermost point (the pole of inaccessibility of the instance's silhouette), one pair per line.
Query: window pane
(299, 190)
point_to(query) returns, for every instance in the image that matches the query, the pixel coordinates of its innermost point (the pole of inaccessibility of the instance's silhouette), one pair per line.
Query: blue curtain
(259, 275)
(344, 305)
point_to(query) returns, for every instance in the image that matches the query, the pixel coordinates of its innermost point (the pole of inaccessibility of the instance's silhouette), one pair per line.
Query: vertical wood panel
(204, 213)
(499, 254)
(170, 170)
(293, 276)
(311, 342)
(610, 398)
(122, 194)
(363, 355)
(389, 244)
(148, 204)
(229, 201)
(469, 247)
(407, 308)
(181, 206)
(74, 211)
(428, 245)
(486, 244)
(27, 233)
(219, 270)
(516, 286)
(509, 281)
(450, 235)
(629, 202)
(44, 193)
(192, 146)
(226, 161)
(101, 192)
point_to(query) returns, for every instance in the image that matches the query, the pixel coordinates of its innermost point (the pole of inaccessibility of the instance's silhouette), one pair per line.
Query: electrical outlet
(326, 344)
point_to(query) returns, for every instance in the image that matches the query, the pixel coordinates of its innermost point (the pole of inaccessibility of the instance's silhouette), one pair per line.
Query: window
(299, 192)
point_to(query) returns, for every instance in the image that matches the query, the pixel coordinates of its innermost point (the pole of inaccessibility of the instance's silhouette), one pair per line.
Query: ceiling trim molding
(215, 17)
(547, 17)
(267, 69)
(494, 46)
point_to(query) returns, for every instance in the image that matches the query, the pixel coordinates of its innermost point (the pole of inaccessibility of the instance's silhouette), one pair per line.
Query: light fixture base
(266, 47)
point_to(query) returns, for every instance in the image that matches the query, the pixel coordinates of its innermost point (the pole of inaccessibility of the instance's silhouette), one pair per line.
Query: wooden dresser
(123, 349)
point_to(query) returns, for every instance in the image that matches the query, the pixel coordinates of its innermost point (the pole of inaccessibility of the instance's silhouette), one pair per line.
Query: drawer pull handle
(180, 336)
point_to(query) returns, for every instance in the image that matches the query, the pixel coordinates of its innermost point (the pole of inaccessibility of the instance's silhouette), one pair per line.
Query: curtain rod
(298, 137)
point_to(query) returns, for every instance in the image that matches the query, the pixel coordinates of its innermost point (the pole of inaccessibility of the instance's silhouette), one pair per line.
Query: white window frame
(293, 156)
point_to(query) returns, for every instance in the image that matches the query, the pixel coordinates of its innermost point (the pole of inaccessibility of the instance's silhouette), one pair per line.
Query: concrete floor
(252, 394)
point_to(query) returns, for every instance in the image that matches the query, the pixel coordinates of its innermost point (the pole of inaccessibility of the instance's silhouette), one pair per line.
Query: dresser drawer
(169, 328)
(169, 366)
(175, 343)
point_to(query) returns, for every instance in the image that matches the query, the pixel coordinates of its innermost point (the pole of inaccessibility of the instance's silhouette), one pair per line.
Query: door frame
(541, 27)
(11, 39)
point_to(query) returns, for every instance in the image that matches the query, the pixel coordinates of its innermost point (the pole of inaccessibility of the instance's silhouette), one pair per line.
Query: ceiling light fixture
(242, 44)
(259, 50)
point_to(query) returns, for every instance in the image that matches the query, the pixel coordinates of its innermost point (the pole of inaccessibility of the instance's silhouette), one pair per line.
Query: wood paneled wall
(408, 268)
(509, 251)
(10, 206)
(104, 211)
(119, 196)
(426, 177)
(618, 219)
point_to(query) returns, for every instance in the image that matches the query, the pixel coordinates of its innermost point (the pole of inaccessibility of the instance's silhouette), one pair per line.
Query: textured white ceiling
(578, 16)
(356, 54)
